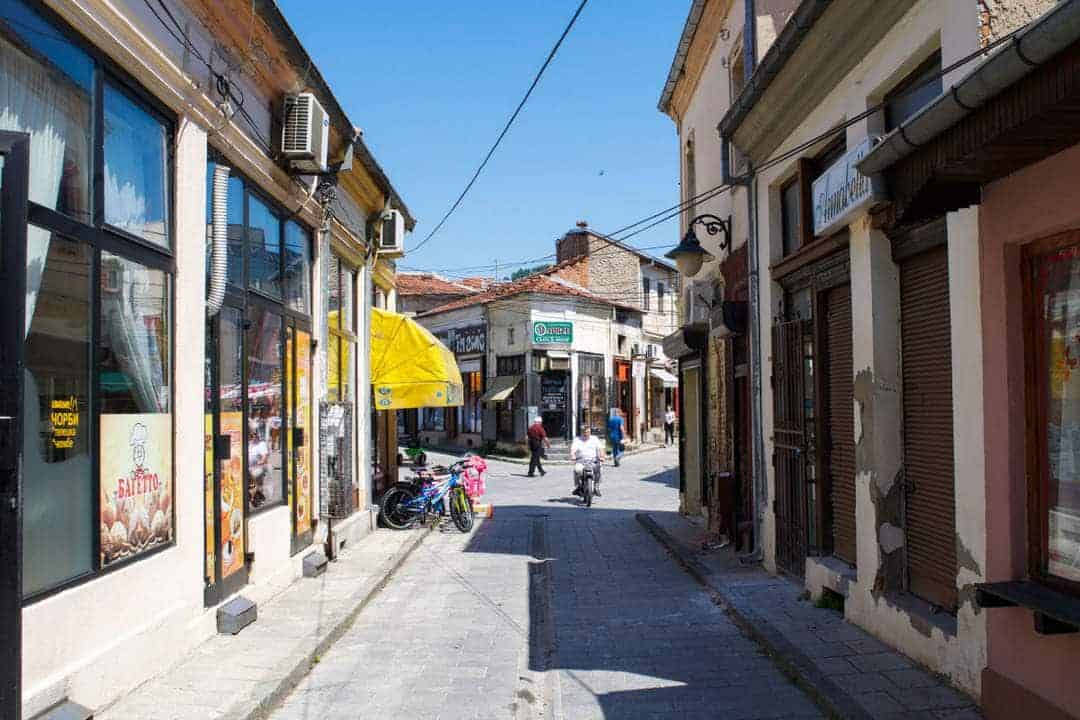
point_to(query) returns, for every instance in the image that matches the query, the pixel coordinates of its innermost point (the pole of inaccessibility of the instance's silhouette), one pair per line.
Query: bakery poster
(303, 421)
(232, 495)
(136, 484)
(208, 499)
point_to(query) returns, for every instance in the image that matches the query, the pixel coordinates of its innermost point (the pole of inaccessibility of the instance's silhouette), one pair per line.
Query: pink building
(1003, 148)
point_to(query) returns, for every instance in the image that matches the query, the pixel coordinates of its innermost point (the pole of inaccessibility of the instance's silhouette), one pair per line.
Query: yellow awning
(500, 388)
(410, 368)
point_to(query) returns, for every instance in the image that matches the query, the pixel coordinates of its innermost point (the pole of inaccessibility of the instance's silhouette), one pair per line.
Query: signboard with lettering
(842, 190)
(465, 341)
(553, 392)
(552, 333)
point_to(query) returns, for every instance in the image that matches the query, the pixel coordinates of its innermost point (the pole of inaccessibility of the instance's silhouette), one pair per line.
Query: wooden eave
(362, 188)
(1033, 119)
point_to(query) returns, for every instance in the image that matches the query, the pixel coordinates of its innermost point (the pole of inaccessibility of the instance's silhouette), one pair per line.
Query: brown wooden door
(930, 501)
(789, 459)
(840, 420)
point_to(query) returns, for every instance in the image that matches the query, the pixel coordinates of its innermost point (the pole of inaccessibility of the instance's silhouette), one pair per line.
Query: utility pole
(496, 269)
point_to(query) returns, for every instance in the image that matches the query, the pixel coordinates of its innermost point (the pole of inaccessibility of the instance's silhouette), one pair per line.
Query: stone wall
(570, 246)
(1000, 17)
(614, 273)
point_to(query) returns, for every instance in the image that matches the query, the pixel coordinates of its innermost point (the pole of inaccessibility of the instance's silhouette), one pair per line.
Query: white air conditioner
(305, 133)
(699, 297)
(635, 350)
(392, 239)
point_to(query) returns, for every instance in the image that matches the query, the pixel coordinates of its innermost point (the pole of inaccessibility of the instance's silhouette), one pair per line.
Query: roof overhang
(687, 340)
(818, 47)
(1020, 106)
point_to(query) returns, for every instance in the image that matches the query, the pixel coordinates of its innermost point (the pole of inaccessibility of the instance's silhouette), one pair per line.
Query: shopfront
(463, 426)
(258, 379)
(592, 392)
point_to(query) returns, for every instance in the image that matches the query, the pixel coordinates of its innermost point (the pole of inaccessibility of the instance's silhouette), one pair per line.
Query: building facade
(148, 223)
(869, 464)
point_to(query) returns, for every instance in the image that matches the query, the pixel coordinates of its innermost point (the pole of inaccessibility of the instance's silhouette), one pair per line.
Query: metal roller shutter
(840, 420)
(930, 504)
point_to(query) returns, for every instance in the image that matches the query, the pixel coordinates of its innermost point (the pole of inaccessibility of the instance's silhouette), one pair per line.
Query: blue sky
(431, 84)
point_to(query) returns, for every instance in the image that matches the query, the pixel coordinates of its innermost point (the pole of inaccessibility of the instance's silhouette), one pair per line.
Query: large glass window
(790, 210)
(47, 90)
(297, 267)
(58, 514)
(136, 169)
(264, 248)
(265, 410)
(914, 92)
(341, 322)
(471, 413)
(98, 372)
(1056, 512)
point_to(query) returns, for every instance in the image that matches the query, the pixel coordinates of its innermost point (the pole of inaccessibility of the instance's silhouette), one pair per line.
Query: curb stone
(829, 696)
(294, 669)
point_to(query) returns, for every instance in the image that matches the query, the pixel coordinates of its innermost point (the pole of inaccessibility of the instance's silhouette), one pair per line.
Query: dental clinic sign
(842, 190)
(552, 333)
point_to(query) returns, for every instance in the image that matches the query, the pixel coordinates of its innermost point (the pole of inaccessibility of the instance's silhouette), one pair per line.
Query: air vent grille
(297, 133)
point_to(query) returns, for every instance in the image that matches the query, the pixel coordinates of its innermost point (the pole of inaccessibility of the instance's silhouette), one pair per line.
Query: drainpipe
(220, 234)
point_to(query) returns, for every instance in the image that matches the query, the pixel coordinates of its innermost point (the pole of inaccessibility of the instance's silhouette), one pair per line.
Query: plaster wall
(873, 601)
(660, 322)
(1037, 202)
(465, 317)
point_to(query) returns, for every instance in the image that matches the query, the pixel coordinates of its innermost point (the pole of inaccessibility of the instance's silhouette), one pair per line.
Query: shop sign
(842, 190)
(64, 420)
(553, 392)
(466, 341)
(136, 484)
(551, 333)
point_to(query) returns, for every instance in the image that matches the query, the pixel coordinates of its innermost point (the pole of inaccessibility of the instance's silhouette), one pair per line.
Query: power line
(506, 128)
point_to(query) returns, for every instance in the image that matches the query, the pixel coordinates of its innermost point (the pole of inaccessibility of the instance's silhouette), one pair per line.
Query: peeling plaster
(864, 397)
(965, 559)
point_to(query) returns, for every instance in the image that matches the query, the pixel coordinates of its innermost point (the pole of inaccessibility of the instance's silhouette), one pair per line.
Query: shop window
(297, 268)
(136, 169)
(510, 365)
(47, 90)
(1055, 413)
(914, 92)
(471, 413)
(264, 248)
(341, 324)
(434, 419)
(97, 403)
(264, 410)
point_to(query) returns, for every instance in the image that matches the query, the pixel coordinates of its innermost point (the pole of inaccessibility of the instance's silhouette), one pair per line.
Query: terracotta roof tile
(540, 283)
(430, 284)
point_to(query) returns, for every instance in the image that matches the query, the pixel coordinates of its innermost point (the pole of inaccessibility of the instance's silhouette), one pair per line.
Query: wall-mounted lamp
(689, 255)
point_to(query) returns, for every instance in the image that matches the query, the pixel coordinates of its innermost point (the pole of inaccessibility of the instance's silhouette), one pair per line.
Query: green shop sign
(548, 333)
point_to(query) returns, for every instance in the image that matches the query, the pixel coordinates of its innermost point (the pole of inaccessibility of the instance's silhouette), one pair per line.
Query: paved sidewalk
(847, 669)
(243, 676)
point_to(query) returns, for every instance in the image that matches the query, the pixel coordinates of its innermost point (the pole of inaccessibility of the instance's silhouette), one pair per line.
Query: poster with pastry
(136, 484)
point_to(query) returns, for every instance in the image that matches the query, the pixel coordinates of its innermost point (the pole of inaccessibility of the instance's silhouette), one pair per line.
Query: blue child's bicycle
(408, 503)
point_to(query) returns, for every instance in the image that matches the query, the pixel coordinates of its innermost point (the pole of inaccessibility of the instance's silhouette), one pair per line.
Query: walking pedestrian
(538, 440)
(615, 435)
(669, 427)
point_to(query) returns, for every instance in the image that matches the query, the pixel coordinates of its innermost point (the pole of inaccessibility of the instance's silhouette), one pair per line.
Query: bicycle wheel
(461, 510)
(394, 508)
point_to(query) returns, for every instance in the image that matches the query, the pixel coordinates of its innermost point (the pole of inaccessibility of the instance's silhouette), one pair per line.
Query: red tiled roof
(477, 283)
(539, 283)
(429, 284)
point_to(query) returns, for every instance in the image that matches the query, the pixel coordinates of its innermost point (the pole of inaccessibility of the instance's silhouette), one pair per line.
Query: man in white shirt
(669, 427)
(585, 449)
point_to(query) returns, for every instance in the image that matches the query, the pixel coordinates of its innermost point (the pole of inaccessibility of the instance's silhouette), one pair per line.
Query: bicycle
(407, 503)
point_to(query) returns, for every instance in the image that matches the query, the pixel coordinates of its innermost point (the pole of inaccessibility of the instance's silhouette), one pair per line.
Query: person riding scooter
(586, 449)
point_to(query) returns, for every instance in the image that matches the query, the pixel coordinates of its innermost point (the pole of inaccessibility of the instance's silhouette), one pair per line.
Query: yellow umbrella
(410, 368)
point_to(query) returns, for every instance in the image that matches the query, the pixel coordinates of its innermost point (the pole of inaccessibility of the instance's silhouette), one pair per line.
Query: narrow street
(468, 627)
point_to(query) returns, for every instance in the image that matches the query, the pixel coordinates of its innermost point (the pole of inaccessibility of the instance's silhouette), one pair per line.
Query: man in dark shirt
(538, 440)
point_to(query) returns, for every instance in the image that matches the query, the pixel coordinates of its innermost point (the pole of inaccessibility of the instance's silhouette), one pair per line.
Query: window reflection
(134, 367)
(136, 147)
(264, 248)
(46, 90)
(264, 409)
(297, 267)
(58, 486)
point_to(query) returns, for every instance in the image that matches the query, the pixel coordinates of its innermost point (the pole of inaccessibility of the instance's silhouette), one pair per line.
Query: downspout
(219, 264)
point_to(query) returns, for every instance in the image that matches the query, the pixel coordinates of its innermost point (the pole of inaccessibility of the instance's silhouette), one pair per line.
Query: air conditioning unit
(392, 239)
(635, 350)
(699, 297)
(305, 133)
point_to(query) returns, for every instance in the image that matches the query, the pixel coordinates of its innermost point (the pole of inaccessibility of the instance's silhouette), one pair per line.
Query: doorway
(690, 438)
(791, 342)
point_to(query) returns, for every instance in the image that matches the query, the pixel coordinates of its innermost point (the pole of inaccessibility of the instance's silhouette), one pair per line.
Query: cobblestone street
(549, 610)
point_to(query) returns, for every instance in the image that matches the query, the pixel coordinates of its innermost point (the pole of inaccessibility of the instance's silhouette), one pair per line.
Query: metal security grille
(789, 430)
(840, 420)
(930, 501)
(337, 493)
